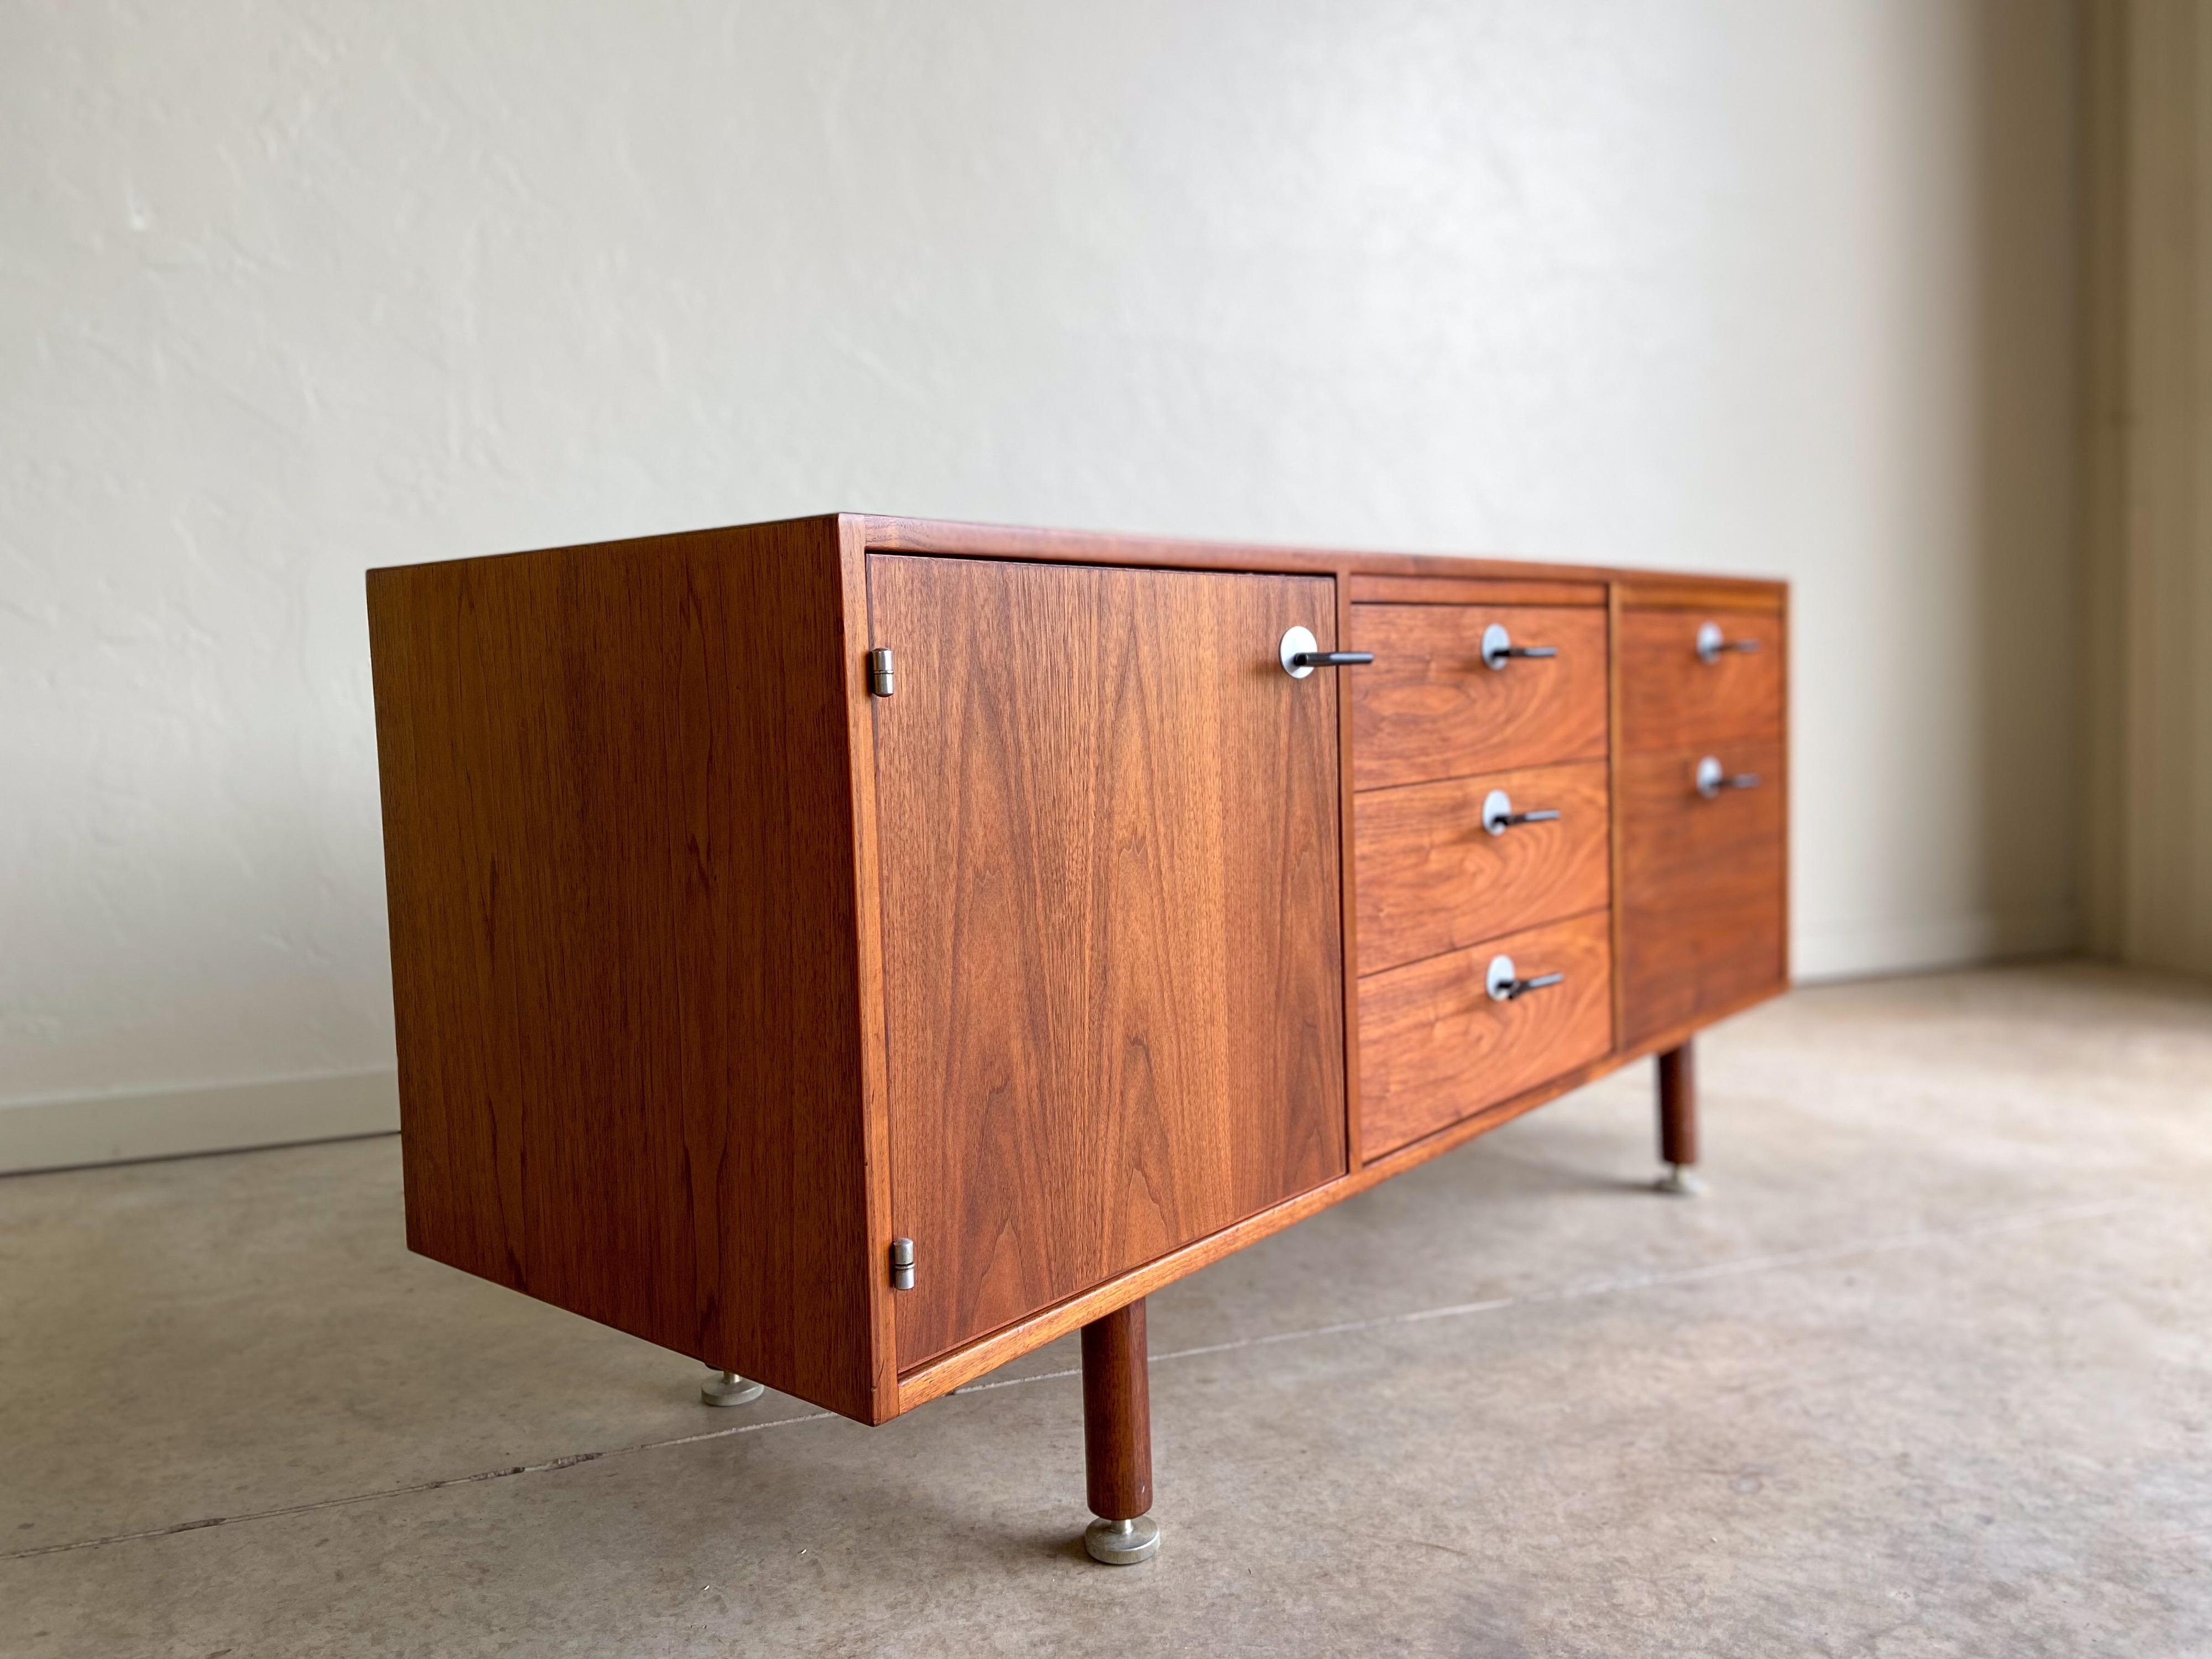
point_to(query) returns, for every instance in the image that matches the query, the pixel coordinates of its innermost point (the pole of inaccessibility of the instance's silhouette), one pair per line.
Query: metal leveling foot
(1123, 1543)
(728, 1388)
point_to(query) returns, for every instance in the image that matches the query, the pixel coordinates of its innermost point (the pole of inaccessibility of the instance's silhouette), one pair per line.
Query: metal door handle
(1301, 654)
(1498, 816)
(1504, 987)
(1711, 642)
(1713, 777)
(1497, 648)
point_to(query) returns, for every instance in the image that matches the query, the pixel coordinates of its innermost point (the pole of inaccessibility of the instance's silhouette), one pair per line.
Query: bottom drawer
(1436, 1046)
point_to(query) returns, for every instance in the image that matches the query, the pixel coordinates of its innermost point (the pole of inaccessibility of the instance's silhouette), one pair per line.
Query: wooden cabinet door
(1112, 958)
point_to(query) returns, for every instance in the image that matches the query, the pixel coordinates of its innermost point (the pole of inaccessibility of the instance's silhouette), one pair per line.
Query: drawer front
(1431, 878)
(1673, 698)
(1434, 1047)
(1701, 887)
(1428, 707)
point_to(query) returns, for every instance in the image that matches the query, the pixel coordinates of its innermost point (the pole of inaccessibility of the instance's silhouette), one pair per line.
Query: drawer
(1431, 878)
(1434, 1047)
(1702, 887)
(1428, 707)
(1673, 697)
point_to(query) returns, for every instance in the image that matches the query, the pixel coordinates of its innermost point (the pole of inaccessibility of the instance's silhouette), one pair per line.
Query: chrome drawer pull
(1502, 985)
(1712, 778)
(1497, 648)
(1711, 642)
(1498, 816)
(1301, 654)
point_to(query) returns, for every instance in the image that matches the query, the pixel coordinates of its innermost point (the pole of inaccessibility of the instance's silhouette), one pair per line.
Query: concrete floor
(1930, 1371)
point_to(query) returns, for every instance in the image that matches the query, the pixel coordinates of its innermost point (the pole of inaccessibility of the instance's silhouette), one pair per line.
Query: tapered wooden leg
(1117, 1438)
(1678, 1121)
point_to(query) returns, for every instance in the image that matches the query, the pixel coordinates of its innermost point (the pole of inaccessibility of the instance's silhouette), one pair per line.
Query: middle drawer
(1432, 877)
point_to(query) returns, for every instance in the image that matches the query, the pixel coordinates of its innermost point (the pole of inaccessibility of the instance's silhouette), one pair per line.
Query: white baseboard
(56, 1134)
(1866, 950)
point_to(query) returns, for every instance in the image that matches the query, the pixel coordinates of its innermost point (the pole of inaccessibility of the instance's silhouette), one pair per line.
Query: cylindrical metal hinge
(883, 672)
(901, 1264)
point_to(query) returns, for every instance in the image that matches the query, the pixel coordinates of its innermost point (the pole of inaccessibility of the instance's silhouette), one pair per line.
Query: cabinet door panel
(1701, 887)
(1112, 960)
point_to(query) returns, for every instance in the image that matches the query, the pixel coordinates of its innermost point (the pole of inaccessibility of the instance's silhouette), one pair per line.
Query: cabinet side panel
(618, 849)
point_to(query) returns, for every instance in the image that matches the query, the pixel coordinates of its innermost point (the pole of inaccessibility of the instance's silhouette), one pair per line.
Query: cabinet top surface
(879, 532)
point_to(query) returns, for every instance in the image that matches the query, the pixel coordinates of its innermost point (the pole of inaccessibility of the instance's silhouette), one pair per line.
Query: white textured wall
(290, 289)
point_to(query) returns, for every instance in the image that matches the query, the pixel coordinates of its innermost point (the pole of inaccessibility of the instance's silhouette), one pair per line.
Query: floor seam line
(550, 1466)
(1742, 1265)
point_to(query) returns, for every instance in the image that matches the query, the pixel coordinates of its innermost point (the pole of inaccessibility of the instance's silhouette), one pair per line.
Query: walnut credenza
(853, 952)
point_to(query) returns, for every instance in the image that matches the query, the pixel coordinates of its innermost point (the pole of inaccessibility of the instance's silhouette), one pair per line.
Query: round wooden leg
(1678, 1121)
(1117, 1438)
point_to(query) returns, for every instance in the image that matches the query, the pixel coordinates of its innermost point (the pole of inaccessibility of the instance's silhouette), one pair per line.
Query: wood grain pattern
(1672, 699)
(619, 845)
(1109, 856)
(1428, 707)
(1701, 892)
(1431, 878)
(1471, 589)
(1117, 1414)
(1434, 1048)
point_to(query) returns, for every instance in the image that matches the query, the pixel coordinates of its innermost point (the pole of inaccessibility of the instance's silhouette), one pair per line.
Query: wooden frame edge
(950, 538)
(1616, 846)
(1347, 877)
(1658, 592)
(849, 548)
(1456, 589)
